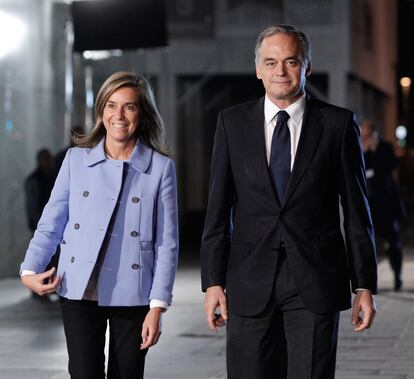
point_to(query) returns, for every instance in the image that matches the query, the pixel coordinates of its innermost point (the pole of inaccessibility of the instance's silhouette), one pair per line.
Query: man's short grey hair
(301, 37)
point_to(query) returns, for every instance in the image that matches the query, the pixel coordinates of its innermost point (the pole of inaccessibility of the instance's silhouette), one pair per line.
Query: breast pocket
(331, 249)
(147, 219)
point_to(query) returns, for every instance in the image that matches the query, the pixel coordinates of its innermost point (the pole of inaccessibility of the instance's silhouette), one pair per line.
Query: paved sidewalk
(32, 341)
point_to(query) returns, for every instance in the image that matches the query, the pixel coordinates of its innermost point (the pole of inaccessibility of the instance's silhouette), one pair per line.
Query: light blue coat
(77, 216)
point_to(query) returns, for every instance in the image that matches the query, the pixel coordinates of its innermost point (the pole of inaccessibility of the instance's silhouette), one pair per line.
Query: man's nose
(280, 69)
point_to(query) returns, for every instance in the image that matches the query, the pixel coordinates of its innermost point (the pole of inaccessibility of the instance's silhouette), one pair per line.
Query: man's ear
(308, 69)
(258, 75)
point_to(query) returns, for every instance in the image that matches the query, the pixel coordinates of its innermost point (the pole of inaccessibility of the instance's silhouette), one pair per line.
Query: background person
(384, 199)
(37, 188)
(273, 257)
(113, 210)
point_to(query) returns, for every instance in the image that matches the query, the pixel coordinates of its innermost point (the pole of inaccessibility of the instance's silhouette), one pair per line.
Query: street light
(12, 31)
(405, 82)
(401, 134)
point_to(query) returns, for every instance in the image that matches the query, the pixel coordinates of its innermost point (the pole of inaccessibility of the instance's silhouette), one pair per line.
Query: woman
(113, 210)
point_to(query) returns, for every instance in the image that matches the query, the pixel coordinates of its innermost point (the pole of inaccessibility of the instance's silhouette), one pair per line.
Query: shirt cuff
(154, 303)
(362, 289)
(27, 272)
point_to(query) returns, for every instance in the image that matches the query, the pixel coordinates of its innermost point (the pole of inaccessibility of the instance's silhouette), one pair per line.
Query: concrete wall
(26, 121)
(373, 26)
(209, 40)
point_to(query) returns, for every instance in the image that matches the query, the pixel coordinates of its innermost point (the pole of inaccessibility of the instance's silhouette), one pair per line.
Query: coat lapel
(256, 151)
(95, 154)
(308, 143)
(141, 157)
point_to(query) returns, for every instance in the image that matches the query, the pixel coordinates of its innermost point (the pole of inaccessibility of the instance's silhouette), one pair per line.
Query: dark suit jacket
(245, 221)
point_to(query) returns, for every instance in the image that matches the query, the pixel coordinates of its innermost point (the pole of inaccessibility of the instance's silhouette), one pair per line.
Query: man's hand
(215, 297)
(151, 329)
(363, 310)
(43, 283)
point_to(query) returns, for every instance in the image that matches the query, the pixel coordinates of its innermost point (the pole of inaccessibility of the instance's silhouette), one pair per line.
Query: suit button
(135, 199)
(72, 259)
(76, 226)
(135, 266)
(134, 234)
(85, 194)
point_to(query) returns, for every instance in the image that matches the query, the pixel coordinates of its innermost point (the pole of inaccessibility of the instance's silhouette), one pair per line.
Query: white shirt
(295, 111)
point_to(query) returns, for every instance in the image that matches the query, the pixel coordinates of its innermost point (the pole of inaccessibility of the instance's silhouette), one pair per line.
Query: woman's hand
(43, 283)
(151, 328)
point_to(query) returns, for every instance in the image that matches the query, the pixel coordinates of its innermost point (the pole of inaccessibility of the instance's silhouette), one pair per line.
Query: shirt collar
(295, 110)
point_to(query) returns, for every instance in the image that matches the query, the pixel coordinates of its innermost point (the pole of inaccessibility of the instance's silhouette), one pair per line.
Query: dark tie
(280, 155)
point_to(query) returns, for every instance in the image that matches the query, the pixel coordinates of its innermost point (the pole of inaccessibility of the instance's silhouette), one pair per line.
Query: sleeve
(166, 238)
(359, 232)
(51, 224)
(215, 244)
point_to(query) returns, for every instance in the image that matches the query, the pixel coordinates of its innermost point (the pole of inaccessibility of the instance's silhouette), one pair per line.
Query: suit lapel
(256, 151)
(308, 143)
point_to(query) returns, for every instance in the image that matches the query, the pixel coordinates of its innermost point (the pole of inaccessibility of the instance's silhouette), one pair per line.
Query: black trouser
(388, 230)
(285, 341)
(85, 326)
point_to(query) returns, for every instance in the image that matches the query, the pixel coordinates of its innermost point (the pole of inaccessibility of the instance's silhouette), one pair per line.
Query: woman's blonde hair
(150, 128)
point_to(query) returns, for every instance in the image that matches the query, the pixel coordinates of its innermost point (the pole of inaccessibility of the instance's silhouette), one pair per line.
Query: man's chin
(288, 96)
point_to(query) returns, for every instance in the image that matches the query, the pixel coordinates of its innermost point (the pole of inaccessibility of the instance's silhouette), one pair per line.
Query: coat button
(134, 234)
(135, 266)
(76, 226)
(85, 194)
(135, 199)
(72, 259)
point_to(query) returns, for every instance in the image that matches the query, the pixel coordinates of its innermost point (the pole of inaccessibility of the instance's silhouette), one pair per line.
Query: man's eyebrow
(294, 57)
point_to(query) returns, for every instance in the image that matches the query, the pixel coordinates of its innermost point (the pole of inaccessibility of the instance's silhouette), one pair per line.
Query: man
(37, 188)
(273, 257)
(384, 198)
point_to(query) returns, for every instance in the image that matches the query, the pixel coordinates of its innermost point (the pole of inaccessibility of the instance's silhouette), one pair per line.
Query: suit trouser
(388, 230)
(285, 341)
(85, 325)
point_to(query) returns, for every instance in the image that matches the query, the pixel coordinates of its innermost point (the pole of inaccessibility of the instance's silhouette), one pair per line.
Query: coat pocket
(147, 267)
(239, 250)
(147, 219)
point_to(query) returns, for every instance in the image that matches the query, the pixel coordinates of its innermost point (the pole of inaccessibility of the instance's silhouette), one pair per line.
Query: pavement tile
(32, 341)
